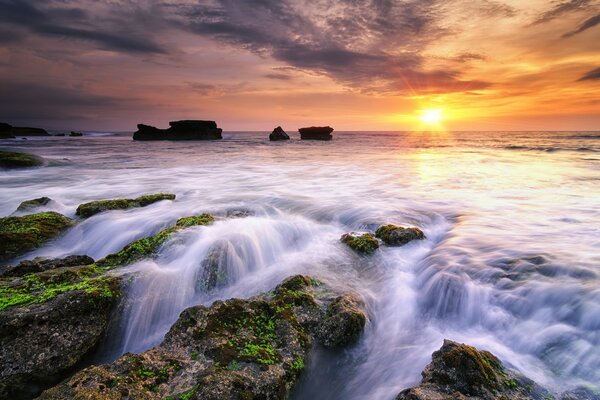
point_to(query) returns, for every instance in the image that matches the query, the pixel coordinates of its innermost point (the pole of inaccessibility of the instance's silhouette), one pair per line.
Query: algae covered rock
(19, 235)
(460, 371)
(394, 235)
(364, 243)
(33, 203)
(234, 349)
(278, 134)
(11, 159)
(343, 323)
(40, 264)
(48, 322)
(148, 246)
(86, 210)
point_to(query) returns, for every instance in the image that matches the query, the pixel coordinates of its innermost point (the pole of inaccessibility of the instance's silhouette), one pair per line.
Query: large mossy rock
(394, 235)
(11, 159)
(234, 349)
(316, 133)
(19, 235)
(180, 130)
(459, 371)
(40, 264)
(86, 210)
(363, 243)
(33, 203)
(49, 321)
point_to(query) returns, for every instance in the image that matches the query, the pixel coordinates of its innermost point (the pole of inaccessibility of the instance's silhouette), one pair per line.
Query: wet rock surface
(86, 210)
(48, 322)
(19, 235)
(40, 264)
(316, 133)
(363, 243)
(278, 134)
(180, 130)
(33, 203)
(460, 371)
(10, 159)
(394, 235)
(234, 349)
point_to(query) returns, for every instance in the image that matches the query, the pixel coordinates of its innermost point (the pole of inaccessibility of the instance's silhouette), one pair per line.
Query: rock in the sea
(19, 235)
(86, 210)
(343, 323)
(33, 203)
(5, 131)
(75, 134)
(10, 159)
(316, 133)
(278, 134)
(364, 243)
(27, 131)
(180, 130)
(394, 235)
(40, 264)
(459, 371)
(234, 349)
(49, 321)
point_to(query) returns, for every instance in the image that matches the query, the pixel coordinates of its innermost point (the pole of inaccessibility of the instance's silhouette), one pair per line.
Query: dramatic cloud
(591, 75)
(563, 8)
(587, 24)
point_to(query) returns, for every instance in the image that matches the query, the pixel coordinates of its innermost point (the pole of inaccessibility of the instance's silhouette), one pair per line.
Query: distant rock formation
(76, 134)
(316, 133)
(5, 131)
(27, 131)
(180, 130)
(278, 134)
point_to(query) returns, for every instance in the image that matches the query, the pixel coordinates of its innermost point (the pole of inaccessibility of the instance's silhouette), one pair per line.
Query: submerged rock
(394, 235)
(40, 264)
(234, 349)
(278, 134)
(364, 243)
(48, 322)
(316, 133)
(5, 131)
(19, 235)
(148, 246)
(33, 203)
(459, 371)
(180, 130)
(10, 159)
(86, 210)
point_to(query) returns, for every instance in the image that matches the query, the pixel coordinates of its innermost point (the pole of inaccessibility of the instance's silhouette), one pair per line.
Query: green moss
(365, 244)
(298, 364)
(149, 246)
(397, 236)
(86, 210)
(9, 159)
(21, 234)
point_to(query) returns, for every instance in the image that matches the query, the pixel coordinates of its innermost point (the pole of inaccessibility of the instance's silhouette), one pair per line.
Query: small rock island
(180, 130)
(316, 133)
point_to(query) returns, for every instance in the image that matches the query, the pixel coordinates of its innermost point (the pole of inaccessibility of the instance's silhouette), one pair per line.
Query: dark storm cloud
(373, 46)
(587, 24)
(591, 75)
(71, 23)
(561, 9)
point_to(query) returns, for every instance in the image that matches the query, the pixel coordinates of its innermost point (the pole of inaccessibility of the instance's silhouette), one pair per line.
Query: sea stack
(180, 130)
(278, 134)
(316, 133)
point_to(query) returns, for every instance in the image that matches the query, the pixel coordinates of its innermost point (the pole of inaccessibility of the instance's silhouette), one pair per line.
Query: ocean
(510, 263)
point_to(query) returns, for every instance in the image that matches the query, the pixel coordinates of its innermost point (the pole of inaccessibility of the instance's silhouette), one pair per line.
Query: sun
(432, 116)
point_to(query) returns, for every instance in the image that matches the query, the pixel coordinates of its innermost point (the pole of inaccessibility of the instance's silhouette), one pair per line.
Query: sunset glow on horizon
(497, 65)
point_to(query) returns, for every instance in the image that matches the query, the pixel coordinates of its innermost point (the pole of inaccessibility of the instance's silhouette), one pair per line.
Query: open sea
(511, 262)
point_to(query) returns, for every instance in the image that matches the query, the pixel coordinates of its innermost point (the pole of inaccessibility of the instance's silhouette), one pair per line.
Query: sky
(108, 65)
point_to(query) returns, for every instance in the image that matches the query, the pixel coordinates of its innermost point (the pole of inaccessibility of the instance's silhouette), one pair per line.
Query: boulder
(459, 371)
(19, 235)
(75, 134)
(86, 210)
(180, 130)
(10, 159)
(40, 264)
(394, 235)
(278, 134)
(234, 349)
(364, 243)
(5, 131)
(343, 323)
(316, 133)
(49, 321)
(33, 203)
(27, 131)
